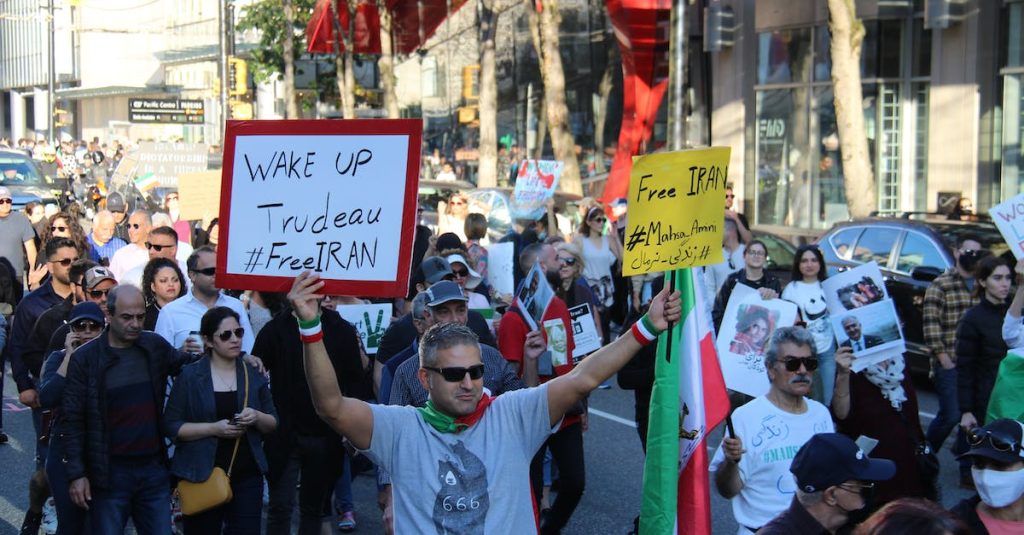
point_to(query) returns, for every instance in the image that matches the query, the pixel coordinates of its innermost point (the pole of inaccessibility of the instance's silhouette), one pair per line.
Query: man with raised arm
(462, 462)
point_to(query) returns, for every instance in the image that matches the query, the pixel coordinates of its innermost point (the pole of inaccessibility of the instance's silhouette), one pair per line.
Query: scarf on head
(446, 424)
(889, 380)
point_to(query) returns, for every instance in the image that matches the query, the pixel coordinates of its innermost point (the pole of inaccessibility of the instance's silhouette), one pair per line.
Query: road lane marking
(612, 417)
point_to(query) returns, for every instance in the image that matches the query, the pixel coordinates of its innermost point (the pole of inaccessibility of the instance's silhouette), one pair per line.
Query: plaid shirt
(945, 302)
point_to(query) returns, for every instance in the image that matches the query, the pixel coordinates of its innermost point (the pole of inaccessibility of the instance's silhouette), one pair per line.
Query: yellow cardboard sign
(676, 210)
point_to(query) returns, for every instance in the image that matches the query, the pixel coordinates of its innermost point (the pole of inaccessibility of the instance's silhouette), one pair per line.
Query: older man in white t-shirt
(752, 468)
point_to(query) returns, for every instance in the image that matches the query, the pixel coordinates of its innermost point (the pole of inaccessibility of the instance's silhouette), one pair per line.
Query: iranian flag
(688, 400)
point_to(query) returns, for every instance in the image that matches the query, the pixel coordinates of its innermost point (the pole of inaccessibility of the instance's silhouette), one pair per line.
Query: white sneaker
(49, 517)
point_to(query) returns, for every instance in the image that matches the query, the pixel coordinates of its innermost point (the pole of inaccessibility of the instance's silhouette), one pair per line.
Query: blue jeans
(343, 489)
(949, 407)
(241, 516)
(71, 519)
(140, 489)
(825, 377)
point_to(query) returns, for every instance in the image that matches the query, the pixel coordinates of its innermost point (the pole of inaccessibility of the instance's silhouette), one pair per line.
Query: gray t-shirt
(15, 230)
(476, 481)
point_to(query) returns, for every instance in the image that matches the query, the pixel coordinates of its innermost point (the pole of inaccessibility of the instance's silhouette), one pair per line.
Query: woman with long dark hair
(806, 292)
(217, 414)
(600, 252)
(162, 282)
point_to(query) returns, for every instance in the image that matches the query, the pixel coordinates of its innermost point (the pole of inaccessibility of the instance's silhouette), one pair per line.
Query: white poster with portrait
(747, 328)
(863, 315)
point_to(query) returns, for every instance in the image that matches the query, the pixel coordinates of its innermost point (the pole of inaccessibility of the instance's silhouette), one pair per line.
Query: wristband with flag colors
(310, 331)
(644, 331)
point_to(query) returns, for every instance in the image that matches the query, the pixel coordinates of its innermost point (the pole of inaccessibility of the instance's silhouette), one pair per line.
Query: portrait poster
(533, 297)
(747, 328)
(863, 315)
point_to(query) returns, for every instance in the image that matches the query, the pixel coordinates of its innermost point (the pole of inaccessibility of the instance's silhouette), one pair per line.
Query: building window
(798, 173)
(1013, 103)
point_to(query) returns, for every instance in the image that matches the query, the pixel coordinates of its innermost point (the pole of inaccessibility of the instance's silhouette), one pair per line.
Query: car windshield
(18, 170)
(987, 233)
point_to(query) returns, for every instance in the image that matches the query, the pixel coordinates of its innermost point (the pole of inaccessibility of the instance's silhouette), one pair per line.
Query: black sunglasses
(98, 294)
(454, 375)
(460, 273)
(209, 272)
(793, 363)
(58, 229)
(135, 226)
(600, 219)
(6, 201)
(86, 325)
(570, 261)
(226, 335)
(64, 261)
(157, 247)
(998, 440)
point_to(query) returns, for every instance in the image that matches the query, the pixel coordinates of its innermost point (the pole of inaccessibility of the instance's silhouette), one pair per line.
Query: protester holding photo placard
(600, 252)
(573, 288)
(753, 275)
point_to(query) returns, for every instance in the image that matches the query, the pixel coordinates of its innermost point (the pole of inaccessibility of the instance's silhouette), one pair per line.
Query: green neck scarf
(440, 421)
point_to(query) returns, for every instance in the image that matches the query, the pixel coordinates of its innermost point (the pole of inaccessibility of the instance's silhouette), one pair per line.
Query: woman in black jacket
(753, 275)
(979, 340)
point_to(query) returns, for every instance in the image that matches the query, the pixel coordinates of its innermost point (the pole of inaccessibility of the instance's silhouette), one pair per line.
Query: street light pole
(677, 77)
(50, 82)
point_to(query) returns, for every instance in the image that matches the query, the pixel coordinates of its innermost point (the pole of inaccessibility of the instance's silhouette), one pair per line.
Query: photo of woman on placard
(754, 325)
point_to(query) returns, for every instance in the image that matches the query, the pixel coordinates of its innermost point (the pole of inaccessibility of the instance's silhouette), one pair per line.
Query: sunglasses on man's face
(209, 272)
(157, 247)
(793, 364)
(58, 229)
(998, 440)
(226, 335)
(6, 201)
(98, 294)
(455, 374)
(65, 261)
(85, 326)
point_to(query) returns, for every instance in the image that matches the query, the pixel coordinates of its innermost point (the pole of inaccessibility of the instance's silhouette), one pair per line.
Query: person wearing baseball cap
(834, 478)
(997, 466)
(119, 210)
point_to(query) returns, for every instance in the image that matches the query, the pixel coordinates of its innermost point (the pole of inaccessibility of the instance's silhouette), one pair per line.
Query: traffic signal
(240, 110)
(238, 77)
(471, 82)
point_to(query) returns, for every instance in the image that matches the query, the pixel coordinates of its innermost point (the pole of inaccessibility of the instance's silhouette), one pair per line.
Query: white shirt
(715, 274)
(771, 437)
(129, 257)
(183, 315)
(811, 300)
(1013, 331)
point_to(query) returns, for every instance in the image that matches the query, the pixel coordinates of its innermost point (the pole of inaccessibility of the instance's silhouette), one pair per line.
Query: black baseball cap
(830, 459)
(86, 310)
(999, 441)
(435, 268)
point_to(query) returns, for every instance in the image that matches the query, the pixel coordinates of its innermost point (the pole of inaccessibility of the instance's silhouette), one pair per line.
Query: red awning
(413, 22)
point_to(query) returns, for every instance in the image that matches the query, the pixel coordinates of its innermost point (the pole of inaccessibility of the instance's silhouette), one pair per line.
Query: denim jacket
(192, 401)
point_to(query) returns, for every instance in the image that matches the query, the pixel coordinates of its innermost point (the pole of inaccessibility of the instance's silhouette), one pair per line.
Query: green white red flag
(689, 399)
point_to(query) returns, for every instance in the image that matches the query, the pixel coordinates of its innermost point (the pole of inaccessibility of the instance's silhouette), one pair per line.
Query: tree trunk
(555, 107)
(343, 72)
(386, 64)
(291, 105)
(604, 91)
(488, 170)
(847, 36)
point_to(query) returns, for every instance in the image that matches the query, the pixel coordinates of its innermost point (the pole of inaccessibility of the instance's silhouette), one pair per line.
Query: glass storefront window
(1013, 132)
(1015, 41)
(784, 56)
(783, 188)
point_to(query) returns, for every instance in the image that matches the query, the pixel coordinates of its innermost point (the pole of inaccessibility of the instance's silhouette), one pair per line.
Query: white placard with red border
(334, 197)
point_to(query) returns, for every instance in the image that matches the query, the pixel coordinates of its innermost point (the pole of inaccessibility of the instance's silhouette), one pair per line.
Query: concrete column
(17, 116)
(3, 114)
(41, 112)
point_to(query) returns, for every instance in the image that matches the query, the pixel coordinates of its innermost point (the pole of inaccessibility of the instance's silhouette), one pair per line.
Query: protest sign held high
(535, 184)
(334, 197)
(1009, 219)
(676, 210)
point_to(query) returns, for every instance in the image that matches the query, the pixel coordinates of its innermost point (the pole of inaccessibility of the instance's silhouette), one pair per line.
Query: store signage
(166, 111)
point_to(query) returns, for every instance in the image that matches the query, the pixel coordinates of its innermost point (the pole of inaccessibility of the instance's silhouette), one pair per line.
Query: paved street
(614, 470)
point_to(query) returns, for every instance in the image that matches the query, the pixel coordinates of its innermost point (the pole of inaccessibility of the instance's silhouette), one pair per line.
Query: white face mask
(998, 489)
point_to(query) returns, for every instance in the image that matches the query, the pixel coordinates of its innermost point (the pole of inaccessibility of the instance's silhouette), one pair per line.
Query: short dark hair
(529, 255)
(211, 320)
(444, 336)
(475, 226)
(912, 515)
(795, 275)
(55, 244)
(193, 259)
(166, 231)
(78, 269)
(753, 243)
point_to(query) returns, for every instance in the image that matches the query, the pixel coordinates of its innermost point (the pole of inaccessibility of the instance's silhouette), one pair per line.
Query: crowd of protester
(143, 377)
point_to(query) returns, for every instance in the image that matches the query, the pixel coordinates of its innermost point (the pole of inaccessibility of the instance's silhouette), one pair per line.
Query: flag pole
(671, 290)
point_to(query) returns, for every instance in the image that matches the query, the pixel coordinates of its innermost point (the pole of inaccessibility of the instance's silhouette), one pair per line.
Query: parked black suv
(23, 177)
(911, 250)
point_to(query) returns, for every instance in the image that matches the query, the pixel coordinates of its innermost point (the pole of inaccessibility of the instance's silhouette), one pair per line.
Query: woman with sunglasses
(217, 414)
(806, 292)
(600, 253)
(573, 288)
(466, 277)
(980, 347)
(452, 215)
(86, 322)
(162, 282)
(880, 402)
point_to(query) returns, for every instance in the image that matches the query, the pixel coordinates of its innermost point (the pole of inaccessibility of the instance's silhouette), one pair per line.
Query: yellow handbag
(216, 490)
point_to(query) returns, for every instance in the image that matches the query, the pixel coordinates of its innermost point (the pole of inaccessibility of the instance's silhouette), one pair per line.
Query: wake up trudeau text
(296, 219)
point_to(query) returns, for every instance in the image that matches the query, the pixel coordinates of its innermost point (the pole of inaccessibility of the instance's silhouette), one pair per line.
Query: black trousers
(567, 452)
(306, 463)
